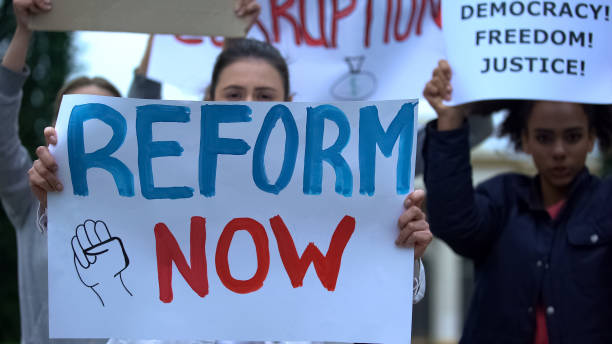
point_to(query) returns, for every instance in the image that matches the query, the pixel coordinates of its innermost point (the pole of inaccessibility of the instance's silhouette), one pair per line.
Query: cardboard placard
(191, 17)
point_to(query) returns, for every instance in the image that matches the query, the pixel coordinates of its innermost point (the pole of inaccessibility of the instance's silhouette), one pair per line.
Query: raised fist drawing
(99, 258)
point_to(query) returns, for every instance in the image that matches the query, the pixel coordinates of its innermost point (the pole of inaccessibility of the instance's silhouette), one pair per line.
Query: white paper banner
(336, 50)
(529, 49)
(191, 220)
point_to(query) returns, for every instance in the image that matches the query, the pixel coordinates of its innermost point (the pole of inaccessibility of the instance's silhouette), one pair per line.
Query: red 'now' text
(168, 251)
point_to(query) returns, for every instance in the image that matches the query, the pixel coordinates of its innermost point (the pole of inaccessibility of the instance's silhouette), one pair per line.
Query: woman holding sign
(541, 246)
(253, 71)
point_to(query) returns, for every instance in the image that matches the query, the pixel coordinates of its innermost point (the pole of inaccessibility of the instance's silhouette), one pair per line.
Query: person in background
(542, 245)
(17, 199)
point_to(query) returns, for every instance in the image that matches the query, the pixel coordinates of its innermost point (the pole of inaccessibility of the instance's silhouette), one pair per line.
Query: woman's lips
(560, 171)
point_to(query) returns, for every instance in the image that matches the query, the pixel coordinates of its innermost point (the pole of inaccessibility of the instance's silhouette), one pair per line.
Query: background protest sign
(193, 220)
(529, 49)
(336, 50)
(211, 17)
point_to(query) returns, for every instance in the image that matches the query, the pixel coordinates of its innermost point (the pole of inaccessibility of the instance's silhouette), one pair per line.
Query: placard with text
(335, 50)
(529, 49)
(238, 221)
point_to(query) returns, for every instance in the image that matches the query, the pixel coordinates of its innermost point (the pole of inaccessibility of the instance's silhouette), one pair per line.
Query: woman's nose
(559, 148)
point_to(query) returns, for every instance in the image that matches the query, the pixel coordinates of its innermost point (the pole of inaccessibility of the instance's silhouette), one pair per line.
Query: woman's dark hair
(515, 124)
(83, 81)
(242, 48)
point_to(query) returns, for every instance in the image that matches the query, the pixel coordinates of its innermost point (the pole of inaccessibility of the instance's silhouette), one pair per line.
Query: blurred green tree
(50, 61)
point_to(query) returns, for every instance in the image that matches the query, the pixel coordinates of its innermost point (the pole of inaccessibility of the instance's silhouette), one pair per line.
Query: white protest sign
(336, 50)
(196, 17)
(529, 49)
(243, 221)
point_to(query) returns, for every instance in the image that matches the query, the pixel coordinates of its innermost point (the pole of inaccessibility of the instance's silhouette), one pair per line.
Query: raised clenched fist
(99, 258)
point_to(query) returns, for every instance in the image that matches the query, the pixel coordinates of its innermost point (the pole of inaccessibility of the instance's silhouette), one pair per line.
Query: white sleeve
(41, 219)
(419, 285)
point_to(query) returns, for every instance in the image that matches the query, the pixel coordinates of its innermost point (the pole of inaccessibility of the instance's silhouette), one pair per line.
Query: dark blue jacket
(520, 255)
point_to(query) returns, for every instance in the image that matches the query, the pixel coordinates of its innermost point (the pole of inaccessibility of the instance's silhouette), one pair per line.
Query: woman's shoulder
(606, 181)
(592, 206)
(597, 186)
(600, 189)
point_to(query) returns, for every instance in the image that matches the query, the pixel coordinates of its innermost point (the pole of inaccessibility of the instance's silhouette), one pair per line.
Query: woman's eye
(573, 137)
(264, 97)
(233, 95)
(543, 138)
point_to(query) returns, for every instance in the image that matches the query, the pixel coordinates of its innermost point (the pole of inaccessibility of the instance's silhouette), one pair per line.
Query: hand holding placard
(248, 10)
(99, 258)
(413, 225)
(437, 91)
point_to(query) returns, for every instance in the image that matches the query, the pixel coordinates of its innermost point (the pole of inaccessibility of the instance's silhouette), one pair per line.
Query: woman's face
(559, 139)
(250, 79)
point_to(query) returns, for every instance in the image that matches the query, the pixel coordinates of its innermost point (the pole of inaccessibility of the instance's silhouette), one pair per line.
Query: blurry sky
(114, 56)
(110, 55)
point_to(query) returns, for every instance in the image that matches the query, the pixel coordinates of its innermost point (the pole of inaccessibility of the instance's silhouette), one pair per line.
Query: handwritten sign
(193, 17)
(244, 221)
(361, 50)
(529, 49)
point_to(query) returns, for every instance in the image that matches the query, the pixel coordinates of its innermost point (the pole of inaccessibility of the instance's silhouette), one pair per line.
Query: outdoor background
(54, 57)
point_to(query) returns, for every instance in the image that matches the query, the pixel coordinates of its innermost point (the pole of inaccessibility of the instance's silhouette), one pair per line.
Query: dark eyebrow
(265, 88)
(233, 86)
(544, 130)
(573, 129)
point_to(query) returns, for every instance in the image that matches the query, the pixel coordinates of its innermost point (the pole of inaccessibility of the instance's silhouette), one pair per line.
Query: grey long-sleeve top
(21, 207)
